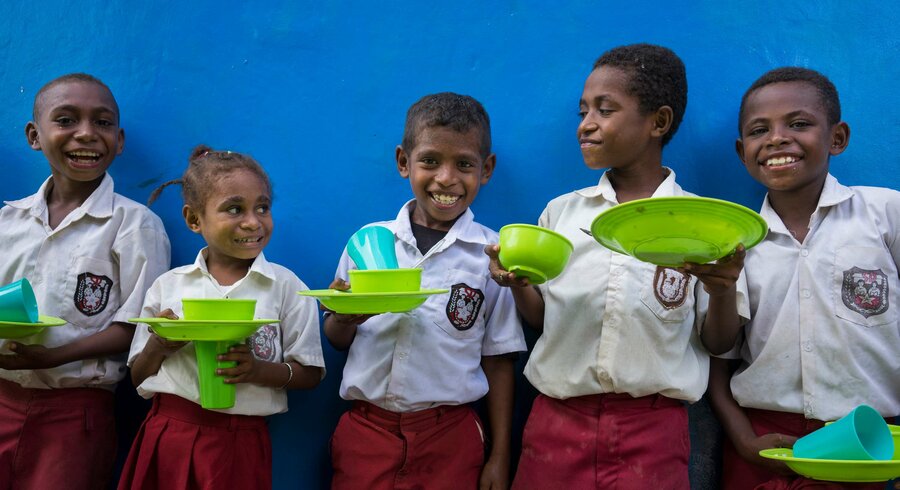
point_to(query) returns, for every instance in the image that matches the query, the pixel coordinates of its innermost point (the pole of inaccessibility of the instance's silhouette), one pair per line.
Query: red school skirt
(605, 441)
(738, 474)
(56, 438)
(438, 448)
(182, 445)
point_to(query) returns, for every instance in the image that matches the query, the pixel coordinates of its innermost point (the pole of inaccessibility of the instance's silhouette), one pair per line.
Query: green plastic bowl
(533, 252)
(218, 309)
(385, 280)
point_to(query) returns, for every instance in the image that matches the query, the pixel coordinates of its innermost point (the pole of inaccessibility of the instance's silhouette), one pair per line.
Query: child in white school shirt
(823, 285)
(90, 255)
(413, 376)
(227, 199)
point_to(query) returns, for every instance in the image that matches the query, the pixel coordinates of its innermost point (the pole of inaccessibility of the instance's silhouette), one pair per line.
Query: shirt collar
(833, 193)
(99, 204)
(461, 230)
(260, 266)
(604, 188)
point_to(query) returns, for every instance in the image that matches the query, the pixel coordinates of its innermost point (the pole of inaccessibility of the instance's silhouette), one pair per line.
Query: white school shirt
(614, 324)
(824, 336)
(92, 270)
(431, 355)
(294, 338)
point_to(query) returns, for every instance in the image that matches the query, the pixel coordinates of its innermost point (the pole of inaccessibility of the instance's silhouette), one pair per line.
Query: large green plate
(203, 329)
(371, 303)
(15, 330)
(835, 469)
(670, 231)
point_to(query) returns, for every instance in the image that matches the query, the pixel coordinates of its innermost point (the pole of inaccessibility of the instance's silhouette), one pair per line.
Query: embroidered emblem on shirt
(670, 287)
(262, 343)
(463, 306)
(865, 291)
(92, 293)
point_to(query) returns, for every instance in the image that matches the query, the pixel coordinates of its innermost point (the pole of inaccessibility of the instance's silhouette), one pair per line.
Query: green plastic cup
(214, 392)
(533, 252)
(385, 281)
(862, 434)
(372, 247)
(17, 302)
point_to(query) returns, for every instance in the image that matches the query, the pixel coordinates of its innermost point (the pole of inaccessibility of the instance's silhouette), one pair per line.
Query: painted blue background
(317, 92)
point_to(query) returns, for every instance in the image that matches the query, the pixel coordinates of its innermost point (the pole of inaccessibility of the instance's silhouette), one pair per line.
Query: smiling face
(77, 129)
(613, 132)
(786, 139)
(445, 169)
(235, 221)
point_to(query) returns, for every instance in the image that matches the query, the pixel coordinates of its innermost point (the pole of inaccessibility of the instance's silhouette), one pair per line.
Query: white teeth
(444, 198)
(88, 154)
(247, 240)
(774, 162)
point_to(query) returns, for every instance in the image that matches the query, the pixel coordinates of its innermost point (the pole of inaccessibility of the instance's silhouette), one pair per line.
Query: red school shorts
(738, 474)
(56, 438)
(606, 441)
(182, 445)
(434, 449)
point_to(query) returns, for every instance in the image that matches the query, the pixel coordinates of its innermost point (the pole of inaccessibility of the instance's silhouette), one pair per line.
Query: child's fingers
(492, 250)
(168, 313)
(339, 284)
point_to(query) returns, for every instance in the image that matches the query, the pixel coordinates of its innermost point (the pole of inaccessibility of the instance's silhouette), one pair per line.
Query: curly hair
(205, 167)
(68, 78)
(458, 112)
(657, 78)
(831, 102)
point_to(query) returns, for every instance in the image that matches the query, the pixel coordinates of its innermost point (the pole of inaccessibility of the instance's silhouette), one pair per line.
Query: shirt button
(804, 252)
(805, 293)
(403, 355)
(807, 346)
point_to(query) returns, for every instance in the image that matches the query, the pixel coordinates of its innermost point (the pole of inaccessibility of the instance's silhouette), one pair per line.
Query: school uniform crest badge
(670, 287)
(463, 306)
(262, 343)
(92, 293)
(865, 291)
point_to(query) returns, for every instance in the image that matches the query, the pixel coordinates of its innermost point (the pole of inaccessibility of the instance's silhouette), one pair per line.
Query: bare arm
(499, 371)
(249, 369)
(114, 339)
(340, 329)
(529, 302)
(722, 323)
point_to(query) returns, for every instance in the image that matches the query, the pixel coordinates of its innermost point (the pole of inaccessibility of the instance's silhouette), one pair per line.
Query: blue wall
(317, 92)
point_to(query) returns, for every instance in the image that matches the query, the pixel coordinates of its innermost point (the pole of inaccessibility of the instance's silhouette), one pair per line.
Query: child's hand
(719, 278)
(34, 356)
(159, 344)
(500, 275)
(494, 475)
(342, 318)
(246, 369)
(749, 450)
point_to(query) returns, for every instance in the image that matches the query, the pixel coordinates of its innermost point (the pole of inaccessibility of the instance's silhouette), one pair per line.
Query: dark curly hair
(205, 167)
(831, 102)
(458, 112)
(656, 78)
(71, 77)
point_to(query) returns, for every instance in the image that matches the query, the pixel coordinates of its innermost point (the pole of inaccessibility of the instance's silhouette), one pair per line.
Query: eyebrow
(73, 108)
(789, 115)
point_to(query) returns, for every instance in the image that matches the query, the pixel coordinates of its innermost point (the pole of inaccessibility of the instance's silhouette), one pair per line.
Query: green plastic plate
(203, 329)
(670, 231)
(371, 303)
(837, 470)
(15, 330)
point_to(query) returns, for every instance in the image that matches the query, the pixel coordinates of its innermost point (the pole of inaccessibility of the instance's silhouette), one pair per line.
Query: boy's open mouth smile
(780, 161)
(83, 158)
(444, 200)
(248, 241)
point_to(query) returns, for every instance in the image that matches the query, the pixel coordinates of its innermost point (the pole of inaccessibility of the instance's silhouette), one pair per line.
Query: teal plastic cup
(372, 248)
(17, 303)
(214, 392)
(860, 435)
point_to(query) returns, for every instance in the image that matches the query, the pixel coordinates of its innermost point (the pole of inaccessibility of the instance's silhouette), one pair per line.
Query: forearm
(278, 375)
(147, 362)
(499, 371)
(731, 415)
(115, 339)
(530, 305)
(722, 323)
(340, 334)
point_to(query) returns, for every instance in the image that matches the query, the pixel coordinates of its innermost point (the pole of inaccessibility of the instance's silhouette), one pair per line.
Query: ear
(487, 168)
(662, 121)
(739, 148)
(191, 218)
(402, 162)
(840, 138)
(121, 142)
(31, 134)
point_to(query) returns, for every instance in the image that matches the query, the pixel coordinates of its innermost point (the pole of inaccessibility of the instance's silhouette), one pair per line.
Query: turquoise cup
(17, 303)
(862, 434)
(372, 247)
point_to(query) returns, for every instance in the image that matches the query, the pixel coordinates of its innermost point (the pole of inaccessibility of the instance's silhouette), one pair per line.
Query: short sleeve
(503, 329)
(143, 255)
(299, 323)
(150, 309)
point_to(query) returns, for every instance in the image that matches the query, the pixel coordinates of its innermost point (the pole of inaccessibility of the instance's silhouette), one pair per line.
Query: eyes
(68, 121)
(237, 210)
(604, 112)
(431, 162)
(761, 129)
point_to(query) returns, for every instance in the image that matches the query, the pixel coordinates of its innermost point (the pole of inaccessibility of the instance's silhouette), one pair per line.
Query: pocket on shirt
(668, 293)
(460, 313)
(863, 282)
(92, 292)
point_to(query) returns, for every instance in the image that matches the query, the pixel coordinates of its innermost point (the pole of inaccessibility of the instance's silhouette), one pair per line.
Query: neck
(225, 269)
(67, 192)
(795, 207)
(636, 182)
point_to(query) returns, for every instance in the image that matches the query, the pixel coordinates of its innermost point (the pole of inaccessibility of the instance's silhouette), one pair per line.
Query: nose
(446, 174)
(250, 221)
(778, 136)
(587, 125)
(85, 131)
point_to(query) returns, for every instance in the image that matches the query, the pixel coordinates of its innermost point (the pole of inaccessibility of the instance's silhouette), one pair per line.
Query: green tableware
(371, 303)
(218, 308)
(533, 252)
(15, 330)
(670, 231)
(385, 280)
(214, 330)
(837, 470)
